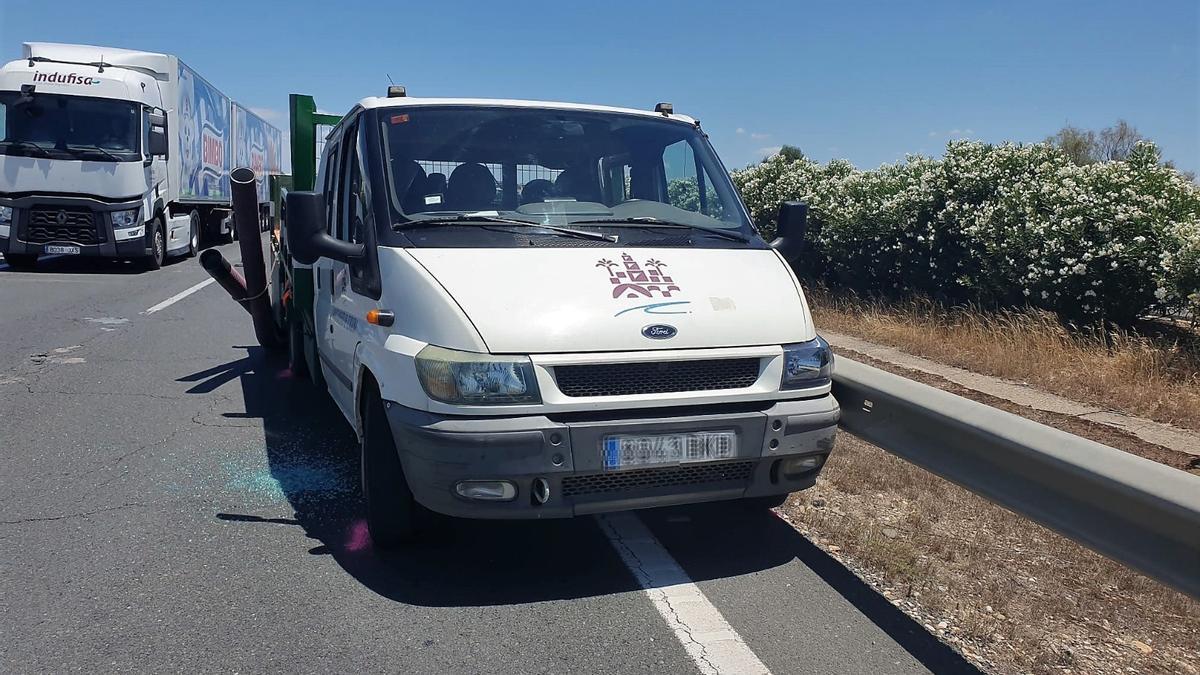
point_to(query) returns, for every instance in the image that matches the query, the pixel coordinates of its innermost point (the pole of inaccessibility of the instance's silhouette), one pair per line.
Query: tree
(1115, 143)
(791, 153)
(1111, 144)
(1078, 144)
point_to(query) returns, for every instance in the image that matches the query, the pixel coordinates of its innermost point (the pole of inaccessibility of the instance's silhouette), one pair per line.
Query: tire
(394, 517)
(157, 240)
(296, 358)
(215, 220)
(312, 361)
(193, 234)
(22, 262)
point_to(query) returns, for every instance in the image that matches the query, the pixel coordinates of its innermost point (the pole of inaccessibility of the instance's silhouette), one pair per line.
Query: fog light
(486, 490)
(797, 465)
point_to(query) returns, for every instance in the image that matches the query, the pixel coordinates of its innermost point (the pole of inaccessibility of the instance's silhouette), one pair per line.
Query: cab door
(323, 272)
(348, 308)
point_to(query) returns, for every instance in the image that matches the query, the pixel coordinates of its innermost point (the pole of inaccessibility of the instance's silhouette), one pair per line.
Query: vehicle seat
(536, 190)
(471, 187)
(435, 184)
(414, 197)
(577, 184)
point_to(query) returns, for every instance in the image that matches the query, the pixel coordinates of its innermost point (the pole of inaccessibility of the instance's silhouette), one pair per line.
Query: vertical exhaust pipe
(245, 219)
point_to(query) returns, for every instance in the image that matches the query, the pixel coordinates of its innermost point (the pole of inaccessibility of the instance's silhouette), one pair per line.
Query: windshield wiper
(27, 145)
(77, 149)
(466, 218)
(657, 222)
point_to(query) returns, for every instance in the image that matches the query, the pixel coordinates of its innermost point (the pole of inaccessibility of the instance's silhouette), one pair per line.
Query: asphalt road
(171, 499)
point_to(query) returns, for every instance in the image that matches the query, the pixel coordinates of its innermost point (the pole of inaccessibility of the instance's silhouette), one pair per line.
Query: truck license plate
(63, 250)
(635, 450)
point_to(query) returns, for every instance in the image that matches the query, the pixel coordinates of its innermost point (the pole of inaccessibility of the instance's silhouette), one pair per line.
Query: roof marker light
(665, 109)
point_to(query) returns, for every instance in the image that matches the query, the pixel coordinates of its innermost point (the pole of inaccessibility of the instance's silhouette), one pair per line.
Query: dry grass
(1154, 374)
(1015, 597)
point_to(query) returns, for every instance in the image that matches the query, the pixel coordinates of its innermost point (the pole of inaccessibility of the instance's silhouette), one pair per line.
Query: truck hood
(555, 300)
(112, 180)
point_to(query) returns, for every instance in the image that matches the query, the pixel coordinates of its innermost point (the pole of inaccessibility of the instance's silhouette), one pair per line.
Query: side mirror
(792, 226)
(306, 236)
(158, 142)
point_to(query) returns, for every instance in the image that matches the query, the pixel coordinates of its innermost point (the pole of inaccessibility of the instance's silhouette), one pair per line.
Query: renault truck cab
(536, 310)
(83, 157)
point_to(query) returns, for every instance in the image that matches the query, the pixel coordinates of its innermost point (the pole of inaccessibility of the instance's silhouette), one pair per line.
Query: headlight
(808, 364)
(5, 214)
(124, 219)
(467, 378)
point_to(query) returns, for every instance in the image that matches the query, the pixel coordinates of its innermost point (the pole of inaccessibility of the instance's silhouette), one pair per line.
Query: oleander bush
(997, 225)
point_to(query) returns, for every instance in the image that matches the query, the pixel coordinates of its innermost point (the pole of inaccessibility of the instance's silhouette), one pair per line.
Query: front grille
(658, 377)
(648, 479)
(78, 226)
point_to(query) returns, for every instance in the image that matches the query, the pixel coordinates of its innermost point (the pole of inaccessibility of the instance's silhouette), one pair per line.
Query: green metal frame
(305, 120)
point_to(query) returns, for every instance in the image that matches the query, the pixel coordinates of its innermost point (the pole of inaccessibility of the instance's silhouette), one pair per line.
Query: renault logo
(61, 218)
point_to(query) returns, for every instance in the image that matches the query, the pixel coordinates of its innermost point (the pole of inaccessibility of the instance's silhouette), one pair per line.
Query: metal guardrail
(1133, 510)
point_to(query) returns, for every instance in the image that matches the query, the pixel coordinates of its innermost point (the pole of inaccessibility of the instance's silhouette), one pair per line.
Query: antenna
(390, 81)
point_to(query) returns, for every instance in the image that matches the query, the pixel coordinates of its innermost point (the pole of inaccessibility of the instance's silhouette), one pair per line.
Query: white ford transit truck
(118, 153)
(535, 310)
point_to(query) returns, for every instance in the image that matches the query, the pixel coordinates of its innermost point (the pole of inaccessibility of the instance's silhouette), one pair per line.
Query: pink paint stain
(359, 537)
(285, 374)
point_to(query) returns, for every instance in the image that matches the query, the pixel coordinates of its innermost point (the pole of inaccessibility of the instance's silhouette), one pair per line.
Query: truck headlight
(807, 364)
(5, 214)
(467, 378)
(124, 219)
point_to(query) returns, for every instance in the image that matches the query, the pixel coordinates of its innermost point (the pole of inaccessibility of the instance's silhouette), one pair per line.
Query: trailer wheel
(393, 516)
(193, 233)
(297, 362)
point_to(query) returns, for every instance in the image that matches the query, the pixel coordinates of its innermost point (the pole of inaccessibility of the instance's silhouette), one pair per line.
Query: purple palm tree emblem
(608, 264)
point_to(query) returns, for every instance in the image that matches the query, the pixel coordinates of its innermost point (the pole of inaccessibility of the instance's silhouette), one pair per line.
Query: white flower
(1045, 295)
(1160, 293)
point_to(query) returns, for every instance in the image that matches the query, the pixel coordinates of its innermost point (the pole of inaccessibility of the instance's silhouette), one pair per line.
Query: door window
(688, 186)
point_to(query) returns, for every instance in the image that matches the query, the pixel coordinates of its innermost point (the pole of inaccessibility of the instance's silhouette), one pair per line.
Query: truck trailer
(118, 153)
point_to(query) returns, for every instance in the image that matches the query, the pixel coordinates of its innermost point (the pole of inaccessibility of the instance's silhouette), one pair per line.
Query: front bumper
(94, 237)
(439, 451)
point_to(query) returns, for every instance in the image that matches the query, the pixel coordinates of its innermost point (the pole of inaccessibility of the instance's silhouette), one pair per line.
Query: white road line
(713, 644)
(177, 297)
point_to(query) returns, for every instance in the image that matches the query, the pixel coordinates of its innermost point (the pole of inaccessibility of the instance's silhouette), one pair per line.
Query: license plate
(633, 450)
(62, 250)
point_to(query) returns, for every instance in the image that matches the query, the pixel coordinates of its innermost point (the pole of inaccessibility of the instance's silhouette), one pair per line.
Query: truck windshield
(69, 127)
(565, 168)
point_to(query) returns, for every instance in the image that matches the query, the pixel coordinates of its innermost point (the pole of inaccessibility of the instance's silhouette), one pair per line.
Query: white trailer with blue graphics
(116, 153)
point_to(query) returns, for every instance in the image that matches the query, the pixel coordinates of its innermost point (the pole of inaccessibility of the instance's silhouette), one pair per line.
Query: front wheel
(157, 239)
(393, 515)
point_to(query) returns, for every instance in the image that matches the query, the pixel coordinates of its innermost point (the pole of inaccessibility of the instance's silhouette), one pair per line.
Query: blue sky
(868, 81)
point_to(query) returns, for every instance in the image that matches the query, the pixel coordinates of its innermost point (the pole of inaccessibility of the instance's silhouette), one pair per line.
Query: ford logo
(659, 331)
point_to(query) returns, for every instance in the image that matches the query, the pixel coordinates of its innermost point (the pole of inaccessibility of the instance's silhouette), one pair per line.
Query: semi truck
(530, 309)
(118, 153)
